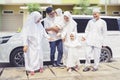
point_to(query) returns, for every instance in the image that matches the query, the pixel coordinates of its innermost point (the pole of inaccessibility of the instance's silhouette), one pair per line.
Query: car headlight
(4, 39)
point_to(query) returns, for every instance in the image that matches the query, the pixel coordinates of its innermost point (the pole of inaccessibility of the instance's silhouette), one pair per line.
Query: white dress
(73, 53)
(68, 27)
(32, 35)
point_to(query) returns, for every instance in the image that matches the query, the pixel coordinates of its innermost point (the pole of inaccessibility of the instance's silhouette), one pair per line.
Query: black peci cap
(49, 10)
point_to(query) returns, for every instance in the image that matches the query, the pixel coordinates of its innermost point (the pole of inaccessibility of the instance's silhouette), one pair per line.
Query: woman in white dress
(68, 26)
(32, 34)
(72, 61)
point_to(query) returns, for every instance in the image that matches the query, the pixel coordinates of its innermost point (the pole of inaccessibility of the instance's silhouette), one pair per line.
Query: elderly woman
(32, 34)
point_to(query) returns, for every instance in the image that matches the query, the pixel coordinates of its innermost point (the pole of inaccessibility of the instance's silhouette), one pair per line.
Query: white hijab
(59, 12)
(70, 26)
(31, 24)
(71, 21)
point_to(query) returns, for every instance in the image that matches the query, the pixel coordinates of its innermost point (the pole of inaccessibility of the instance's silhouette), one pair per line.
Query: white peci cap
(96, 10)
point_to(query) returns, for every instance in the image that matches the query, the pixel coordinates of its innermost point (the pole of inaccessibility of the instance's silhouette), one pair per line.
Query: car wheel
(105, 55)
(17, 57)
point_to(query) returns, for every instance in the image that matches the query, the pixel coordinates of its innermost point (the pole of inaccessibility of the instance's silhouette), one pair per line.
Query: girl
(72, 45)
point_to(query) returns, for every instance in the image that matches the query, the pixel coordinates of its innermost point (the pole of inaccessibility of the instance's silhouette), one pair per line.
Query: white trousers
(95, 52)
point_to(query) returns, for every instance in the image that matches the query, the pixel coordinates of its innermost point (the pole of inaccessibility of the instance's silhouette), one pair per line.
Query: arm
(54, 28)
(24, 38)
(86, 31)
(45, 34)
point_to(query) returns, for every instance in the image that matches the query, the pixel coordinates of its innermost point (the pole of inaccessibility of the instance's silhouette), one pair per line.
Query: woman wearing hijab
(68, 25)
(72, 61)
(32, 35)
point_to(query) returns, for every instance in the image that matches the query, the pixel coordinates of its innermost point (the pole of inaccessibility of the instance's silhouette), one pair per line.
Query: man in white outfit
(94, 35)
(49, 23)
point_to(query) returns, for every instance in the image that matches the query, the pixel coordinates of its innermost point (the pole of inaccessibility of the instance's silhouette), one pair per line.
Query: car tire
(17, 57)
(105, 55)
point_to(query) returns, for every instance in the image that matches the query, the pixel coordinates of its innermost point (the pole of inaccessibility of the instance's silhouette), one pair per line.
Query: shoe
(32, 73)
(76, 68)
(41, 70)
(59, 65)
(94, 69)
(86, 69)
(54, 65)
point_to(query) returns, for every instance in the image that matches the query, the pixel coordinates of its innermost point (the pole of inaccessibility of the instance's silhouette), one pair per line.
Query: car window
(112, 24)
(81, 24)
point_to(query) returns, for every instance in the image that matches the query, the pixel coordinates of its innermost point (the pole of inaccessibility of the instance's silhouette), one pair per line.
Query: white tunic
(95, 32)
(73, 53)
(32, 35)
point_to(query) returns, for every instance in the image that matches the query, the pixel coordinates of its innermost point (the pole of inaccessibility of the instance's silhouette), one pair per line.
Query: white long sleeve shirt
(95, 32)
(50, 22)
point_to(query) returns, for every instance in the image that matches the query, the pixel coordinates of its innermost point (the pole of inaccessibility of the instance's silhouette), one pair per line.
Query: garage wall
(11, 22)
(110, 9)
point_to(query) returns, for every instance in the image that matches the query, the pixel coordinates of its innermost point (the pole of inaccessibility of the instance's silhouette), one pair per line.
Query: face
(51, 14)
(96, 15)
(38, 20)
(66, 18)
(56, 13)
(72, 37)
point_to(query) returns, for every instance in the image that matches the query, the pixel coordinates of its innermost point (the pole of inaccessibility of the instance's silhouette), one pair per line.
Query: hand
(25, 48)
(51, 39)
(55, 29)
(83, 39)
(58, 34)
(63, 39)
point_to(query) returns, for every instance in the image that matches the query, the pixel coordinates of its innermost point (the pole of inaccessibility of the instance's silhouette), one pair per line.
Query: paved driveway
(107, 71)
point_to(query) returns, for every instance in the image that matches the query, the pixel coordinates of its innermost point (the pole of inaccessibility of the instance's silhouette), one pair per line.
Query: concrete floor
(107, 71)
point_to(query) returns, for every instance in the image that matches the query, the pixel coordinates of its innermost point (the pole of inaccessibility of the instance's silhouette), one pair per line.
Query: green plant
(84, 4)
(33, 7)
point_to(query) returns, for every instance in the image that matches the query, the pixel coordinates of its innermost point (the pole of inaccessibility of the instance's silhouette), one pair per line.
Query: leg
(89, 50)
(97, 52)
(60, 51)
(65, 54)
(52, 52)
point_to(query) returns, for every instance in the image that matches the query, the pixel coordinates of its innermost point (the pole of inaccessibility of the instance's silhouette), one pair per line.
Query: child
(72, 59)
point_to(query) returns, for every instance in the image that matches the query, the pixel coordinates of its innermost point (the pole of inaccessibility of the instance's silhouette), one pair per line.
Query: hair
(49, 10)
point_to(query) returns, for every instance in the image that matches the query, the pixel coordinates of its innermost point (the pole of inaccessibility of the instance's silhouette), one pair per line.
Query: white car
(11, 43)
(11, 49)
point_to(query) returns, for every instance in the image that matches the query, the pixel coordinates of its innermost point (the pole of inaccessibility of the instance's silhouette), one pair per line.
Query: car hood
(7, 34)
